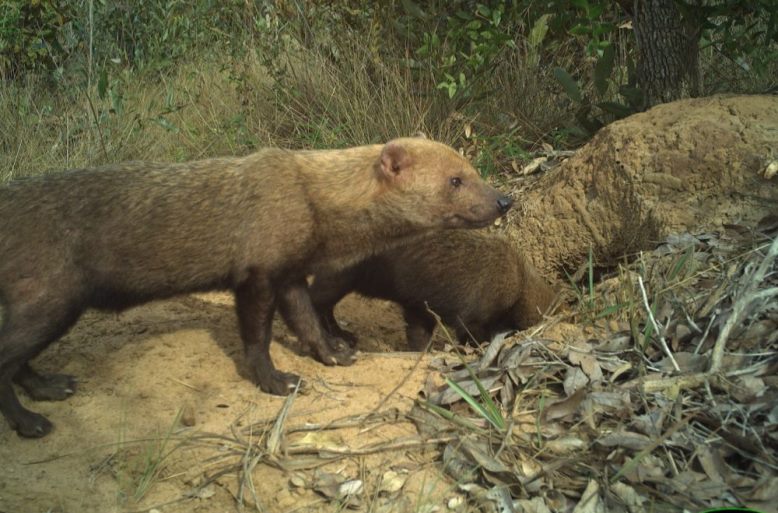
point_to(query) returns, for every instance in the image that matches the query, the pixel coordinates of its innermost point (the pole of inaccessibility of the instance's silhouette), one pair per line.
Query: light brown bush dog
(113, 237)
(476, 282)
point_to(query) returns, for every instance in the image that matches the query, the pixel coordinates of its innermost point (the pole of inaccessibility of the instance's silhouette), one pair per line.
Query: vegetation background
(87, 82)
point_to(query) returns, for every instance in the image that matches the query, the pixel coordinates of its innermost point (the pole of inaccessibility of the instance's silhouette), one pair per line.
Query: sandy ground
(137, 370)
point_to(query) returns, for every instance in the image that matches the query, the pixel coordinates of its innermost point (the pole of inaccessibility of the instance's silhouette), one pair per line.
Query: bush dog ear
(420, 135)
(394, 159)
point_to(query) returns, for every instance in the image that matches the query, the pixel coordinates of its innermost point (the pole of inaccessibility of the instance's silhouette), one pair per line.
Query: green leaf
(486, 412)
(633, 95)
(580, 30)
(610, 310)
(167, 125)
(413, 9)
(594, 11)
(681, 263)
(116, 102)
(496, 17)
(603, 28)
(538, 31)
(102, 83)
(619, 110)
(603, 70)
(569, 84)
(587, 122)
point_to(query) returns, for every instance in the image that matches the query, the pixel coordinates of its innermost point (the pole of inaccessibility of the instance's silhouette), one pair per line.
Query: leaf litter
(667, 402)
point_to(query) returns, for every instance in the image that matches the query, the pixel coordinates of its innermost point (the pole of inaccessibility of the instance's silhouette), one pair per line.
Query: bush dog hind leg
(301, 317)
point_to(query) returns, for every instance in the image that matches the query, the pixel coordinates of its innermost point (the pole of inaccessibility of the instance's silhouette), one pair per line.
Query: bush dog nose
(504, 204)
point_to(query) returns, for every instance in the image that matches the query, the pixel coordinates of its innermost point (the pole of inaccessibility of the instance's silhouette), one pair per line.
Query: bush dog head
(449, 187)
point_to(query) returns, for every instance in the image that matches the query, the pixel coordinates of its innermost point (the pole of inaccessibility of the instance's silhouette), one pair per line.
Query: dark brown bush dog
(476, 282)
(121, 235)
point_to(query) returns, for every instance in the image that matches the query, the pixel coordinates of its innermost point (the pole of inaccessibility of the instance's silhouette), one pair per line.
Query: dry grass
(220, 105)
(209, 108)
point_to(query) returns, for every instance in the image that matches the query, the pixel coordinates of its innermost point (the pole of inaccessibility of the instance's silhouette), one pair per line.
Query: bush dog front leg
(255, 303)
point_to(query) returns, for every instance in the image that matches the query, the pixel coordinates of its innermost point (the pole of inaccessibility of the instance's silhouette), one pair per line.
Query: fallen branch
(746, 299)
(662, 340)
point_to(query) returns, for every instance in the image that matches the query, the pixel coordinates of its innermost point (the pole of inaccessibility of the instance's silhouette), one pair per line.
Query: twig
(395, 445)
(274, 439)
(662, 340)
(748, 297)
(704, 336)
(404, 380)
(248, 463)
(385, 417)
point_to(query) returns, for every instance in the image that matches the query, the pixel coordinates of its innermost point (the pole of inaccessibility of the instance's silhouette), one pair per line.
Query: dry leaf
(535, 505)
(625, 439)
(748, 389)
(500, 499)
(651, 424)
(767, 491)
(688, 362)
(566, 445)
(455, 502)
(391, 482)
(771, 169)
(629, 497)
(319, 440)
(297, 481)
(565, 407)
(336, 487)
(590, 500)
(533, 166)
(350, 488)
(649, 468)
(713, 464)
(619, 370)
(575, 380)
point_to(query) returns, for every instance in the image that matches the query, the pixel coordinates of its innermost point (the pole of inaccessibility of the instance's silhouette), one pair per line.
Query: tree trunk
(668, 52)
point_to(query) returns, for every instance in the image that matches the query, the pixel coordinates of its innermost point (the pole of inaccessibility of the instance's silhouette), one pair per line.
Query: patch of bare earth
(602, 408)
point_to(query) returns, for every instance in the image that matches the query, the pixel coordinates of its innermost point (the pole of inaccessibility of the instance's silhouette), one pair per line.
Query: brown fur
(121, 235)
(476, 282)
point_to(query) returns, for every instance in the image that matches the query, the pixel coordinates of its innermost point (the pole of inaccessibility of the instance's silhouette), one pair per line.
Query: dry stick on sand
(741, 305)
(276, 433)
(252, 457)
(404, 380)
(412, 369)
